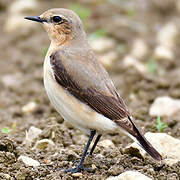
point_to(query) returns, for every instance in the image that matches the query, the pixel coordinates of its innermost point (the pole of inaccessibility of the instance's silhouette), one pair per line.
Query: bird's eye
(56, 19)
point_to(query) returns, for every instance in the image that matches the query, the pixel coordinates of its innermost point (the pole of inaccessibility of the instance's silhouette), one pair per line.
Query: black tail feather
(145, 144)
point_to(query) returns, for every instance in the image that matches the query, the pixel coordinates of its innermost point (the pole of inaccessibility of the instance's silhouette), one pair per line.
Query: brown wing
(102, 99)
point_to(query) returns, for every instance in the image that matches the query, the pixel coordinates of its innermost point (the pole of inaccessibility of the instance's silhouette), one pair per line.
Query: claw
(79, 168)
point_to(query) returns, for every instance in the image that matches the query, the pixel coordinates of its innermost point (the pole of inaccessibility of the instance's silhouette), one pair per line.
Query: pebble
(44, 144)
(93, 167)
(72, 155)
(130, 61)
(106, 144)
(166, 145)
(163, 5)
(17, 23)
(99, 156)
(102, 44)
(20, 175)
(32, 134)
(163, 52)
(21, 6)
(130, 175)
(29, 108)
(108, 59)
(28, 161)
(164, 106)
(139, 49)
(80, 139)
(77, 174)
(178, 5)
(10, 80)
(167, 35)
(68, 125)
(5, 176)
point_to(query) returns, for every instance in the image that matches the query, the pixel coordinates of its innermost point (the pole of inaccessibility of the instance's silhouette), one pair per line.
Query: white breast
(71, 109)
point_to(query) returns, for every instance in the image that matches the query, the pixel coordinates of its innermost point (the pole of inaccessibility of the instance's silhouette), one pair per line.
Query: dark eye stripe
(56, 19)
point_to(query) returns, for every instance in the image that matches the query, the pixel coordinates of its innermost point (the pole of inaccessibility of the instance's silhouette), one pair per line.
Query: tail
(130, 128)
(142, 141)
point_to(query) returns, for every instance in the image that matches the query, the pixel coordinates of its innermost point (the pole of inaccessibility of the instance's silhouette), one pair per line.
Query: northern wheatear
(79, 87)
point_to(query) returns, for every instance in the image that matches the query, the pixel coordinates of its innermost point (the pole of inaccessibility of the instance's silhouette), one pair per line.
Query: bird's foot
(79, 168)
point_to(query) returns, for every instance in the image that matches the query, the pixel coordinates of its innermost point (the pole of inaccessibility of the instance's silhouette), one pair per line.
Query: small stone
(44, 144)
(77, 174)
(114, 170)
(93, 167)
(151, 171)
(178, 5)
(163, 52)
(130, 61)
(20, 175)
(163, 5)
(165, 144)
(80, 139)
(99, 156)
(29, 108)
(10, 80)
(5, 176)
(106, 144)
(17, 23)
(32, 134)
(134, 150)
(139, 49)
(47, 161)
(167, 35)
(102, 44)
(72, 156)
(28, 161)
(164, 106)
(21, 6)
(108, 59)
(130, 175)
(68, 125)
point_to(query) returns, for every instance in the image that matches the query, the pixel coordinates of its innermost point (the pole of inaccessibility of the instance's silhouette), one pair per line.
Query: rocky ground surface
(138, 43)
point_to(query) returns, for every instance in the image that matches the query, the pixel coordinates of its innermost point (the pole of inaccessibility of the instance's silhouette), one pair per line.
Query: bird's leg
(80, 166)
(95, 143)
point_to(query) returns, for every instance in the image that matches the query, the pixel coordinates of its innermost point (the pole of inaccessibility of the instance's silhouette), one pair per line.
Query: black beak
(36, 18)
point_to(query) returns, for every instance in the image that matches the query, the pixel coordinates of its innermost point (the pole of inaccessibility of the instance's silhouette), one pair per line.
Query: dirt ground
(21, 60)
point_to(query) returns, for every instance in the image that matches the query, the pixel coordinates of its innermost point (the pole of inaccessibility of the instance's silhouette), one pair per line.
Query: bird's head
(62, 25)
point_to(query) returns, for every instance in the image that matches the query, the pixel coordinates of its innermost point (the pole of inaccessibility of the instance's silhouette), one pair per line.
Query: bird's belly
(71, 109)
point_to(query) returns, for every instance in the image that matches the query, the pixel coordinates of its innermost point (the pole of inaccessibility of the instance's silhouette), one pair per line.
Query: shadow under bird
(79, 87)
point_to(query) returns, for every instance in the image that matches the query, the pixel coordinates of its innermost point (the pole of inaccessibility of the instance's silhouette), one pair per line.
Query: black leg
(95, 143)
(80, 165)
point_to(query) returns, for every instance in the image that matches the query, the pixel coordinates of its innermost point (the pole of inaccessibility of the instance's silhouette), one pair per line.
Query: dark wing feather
(110, 106)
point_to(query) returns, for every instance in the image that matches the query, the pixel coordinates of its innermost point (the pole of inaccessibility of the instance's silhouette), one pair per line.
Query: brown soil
(21, 56)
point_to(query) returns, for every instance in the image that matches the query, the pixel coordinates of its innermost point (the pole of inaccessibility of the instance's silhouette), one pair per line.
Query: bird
(79, 87)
